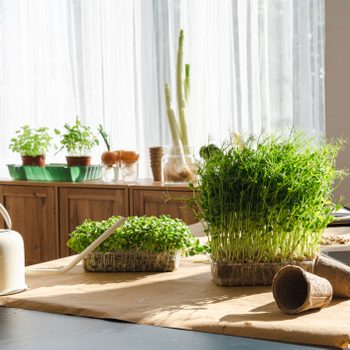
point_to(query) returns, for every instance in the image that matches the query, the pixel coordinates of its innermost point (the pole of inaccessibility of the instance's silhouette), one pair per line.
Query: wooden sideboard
(46, 212)
(149, 198)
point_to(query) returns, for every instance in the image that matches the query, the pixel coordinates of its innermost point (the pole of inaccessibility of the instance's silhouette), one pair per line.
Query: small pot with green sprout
(267, 202)
(32, 144)
(110, 159)
(78, 140)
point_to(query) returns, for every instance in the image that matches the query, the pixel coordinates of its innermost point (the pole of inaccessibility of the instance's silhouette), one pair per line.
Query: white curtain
(255, 65)
(258, 65)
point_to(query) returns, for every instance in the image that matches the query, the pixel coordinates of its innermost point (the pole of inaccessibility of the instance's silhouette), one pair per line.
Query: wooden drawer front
(32, 210)
(78, 204)
(157, 202)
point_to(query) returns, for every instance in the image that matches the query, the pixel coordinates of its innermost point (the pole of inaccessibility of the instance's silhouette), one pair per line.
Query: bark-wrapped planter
(132, 261)
(251, 274)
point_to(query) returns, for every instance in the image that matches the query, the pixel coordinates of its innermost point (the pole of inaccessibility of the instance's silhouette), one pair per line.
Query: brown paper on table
(185, 299)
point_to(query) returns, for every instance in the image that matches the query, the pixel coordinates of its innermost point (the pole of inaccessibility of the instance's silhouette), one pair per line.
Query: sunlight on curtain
(36, 78)
(255, 65)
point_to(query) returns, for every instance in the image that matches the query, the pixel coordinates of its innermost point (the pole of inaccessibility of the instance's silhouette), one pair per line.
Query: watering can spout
(12, 272)
(79, 257)
(12, 268)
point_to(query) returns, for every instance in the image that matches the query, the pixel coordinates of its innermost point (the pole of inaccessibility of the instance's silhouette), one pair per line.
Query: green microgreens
(268, 199)
(146, 233)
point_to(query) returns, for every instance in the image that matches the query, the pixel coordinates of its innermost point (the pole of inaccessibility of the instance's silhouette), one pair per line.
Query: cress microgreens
(31, 142)
(146, 233)
(267, 199)
(78, 139)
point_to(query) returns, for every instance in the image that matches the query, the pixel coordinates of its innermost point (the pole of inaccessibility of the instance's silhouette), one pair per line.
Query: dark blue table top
(32, 330)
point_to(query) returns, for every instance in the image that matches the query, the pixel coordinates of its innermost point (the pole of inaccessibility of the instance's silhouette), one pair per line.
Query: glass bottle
(178, 166)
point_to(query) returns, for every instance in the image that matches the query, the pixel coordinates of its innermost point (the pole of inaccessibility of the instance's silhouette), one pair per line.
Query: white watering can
(12, 276)
(12, 270)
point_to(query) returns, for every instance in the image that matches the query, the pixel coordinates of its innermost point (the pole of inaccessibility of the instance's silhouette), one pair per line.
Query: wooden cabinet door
(78, 204)
(32, 210)
(157, 202)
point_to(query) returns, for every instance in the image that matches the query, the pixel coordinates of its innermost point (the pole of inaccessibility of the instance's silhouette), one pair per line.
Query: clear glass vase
(178, 166)
(110, 173)
(130, 171)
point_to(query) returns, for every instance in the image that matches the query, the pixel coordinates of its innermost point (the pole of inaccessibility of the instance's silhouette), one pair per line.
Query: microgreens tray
(55, 172)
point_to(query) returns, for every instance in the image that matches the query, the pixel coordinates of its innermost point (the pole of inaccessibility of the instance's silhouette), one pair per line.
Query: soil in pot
(33, 160)
(78, 161)
(251, 274)
(132, 261)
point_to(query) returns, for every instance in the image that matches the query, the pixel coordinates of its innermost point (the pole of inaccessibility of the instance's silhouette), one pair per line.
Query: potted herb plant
(145, 243)
(267, 202)
(78, 140)
(32, 144)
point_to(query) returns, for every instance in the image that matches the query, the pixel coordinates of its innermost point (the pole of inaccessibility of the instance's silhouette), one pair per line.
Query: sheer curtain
(255, 65)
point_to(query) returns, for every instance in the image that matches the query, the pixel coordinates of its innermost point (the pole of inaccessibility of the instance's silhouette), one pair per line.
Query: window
(255, 65)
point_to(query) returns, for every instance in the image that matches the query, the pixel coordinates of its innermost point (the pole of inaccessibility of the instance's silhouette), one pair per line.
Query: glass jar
(130, 171)
(178, 166)
(110, 173)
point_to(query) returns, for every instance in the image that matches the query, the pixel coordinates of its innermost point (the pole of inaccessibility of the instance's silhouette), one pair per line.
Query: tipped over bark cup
(296, 290)
(337, 273)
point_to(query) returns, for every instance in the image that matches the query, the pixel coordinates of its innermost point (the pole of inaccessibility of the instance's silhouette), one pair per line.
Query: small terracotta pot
(33, 160)
(78, 161)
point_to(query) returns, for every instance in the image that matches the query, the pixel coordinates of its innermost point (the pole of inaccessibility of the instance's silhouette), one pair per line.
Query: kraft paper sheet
(185, 299)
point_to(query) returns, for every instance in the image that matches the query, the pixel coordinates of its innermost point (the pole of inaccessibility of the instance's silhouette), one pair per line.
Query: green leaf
(149, 233)
(78, 139)
(30, 141)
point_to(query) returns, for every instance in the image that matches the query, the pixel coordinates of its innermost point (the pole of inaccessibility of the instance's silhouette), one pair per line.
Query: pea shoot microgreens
(268, 199)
